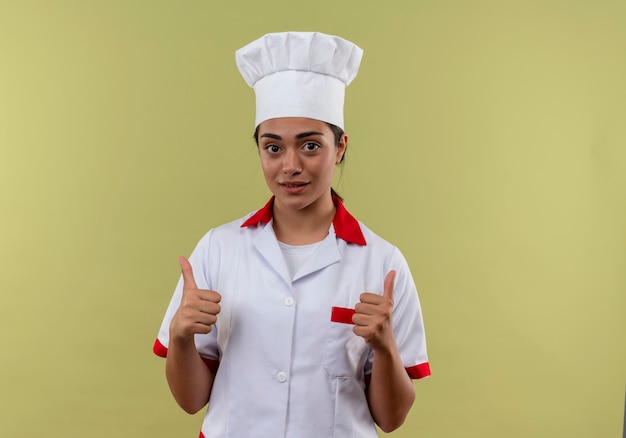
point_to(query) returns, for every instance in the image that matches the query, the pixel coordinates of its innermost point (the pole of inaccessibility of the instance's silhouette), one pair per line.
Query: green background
(487, 141)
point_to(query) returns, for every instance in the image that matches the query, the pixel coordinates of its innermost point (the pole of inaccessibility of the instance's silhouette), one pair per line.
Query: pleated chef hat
(299, 74)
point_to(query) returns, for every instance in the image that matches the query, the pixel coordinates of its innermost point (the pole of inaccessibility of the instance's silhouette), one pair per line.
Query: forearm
(391, 392)
(189, 378)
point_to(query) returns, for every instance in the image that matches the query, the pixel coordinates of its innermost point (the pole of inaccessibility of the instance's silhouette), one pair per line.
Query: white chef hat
(299, 74)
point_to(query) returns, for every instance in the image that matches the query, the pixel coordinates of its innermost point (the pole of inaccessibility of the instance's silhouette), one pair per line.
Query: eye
(311, 147)
(272, 148)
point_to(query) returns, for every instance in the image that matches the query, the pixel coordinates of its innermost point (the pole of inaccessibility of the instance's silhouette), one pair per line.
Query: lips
(293, 187)
(293, 184)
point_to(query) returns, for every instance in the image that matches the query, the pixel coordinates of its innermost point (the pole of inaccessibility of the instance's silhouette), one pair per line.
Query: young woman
(296, 320)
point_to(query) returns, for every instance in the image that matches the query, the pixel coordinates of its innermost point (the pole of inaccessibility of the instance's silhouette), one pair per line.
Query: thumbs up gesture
(198, 308)
(372, 317)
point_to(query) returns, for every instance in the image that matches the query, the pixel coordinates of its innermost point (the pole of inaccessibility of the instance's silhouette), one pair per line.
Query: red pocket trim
(342, 315)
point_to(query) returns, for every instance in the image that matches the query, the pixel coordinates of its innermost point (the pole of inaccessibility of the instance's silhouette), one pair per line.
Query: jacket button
(281, 377)
(289, 301)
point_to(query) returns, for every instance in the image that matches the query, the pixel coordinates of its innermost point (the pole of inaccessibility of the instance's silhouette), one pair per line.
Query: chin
(294, 203)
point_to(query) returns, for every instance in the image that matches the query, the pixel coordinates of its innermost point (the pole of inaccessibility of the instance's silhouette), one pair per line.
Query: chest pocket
(345, 353)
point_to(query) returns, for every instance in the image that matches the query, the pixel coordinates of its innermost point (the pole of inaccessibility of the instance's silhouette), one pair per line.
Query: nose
(291, 163)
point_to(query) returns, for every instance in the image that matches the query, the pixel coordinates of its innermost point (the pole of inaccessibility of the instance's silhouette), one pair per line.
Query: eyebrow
(298, 136)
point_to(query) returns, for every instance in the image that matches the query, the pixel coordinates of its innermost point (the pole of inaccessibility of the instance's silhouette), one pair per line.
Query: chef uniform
(286, 361)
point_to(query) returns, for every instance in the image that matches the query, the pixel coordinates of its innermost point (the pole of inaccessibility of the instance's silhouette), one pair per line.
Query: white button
(289, 301)
(281, 376)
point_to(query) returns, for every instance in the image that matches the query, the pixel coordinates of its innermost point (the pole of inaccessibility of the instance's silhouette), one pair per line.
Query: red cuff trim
(201, 435)
(212, 364)
(419, 371)
(342, 315)
(159, 349)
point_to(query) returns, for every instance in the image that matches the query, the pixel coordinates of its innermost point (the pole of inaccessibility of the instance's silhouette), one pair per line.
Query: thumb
(188, 281)
(388, 285)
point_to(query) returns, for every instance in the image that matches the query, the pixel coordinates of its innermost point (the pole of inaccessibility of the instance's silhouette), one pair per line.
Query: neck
(303, 226)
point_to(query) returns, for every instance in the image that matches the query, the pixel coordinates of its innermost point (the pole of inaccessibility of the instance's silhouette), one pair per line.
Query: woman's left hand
(372, 317)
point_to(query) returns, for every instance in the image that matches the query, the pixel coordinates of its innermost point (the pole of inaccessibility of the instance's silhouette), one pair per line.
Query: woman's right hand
(198, 308)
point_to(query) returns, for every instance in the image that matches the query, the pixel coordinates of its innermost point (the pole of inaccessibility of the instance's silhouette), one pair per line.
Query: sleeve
(408, 324)
(205, 344)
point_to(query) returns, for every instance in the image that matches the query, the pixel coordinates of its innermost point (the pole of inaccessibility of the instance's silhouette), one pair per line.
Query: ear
(341, 148)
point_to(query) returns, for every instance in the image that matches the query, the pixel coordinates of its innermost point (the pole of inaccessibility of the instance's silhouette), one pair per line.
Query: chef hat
(299, 74)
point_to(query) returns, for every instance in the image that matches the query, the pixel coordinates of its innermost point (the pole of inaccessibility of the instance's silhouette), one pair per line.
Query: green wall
(488, 141)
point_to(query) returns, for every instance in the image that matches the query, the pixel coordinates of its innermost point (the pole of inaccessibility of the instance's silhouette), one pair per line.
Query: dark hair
(337, 132)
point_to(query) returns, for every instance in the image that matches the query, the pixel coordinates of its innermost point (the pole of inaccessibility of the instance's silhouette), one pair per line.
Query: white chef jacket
(287, 362)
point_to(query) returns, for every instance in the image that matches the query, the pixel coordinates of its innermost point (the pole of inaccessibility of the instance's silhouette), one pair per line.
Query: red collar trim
(264, 215)
(346, 226)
